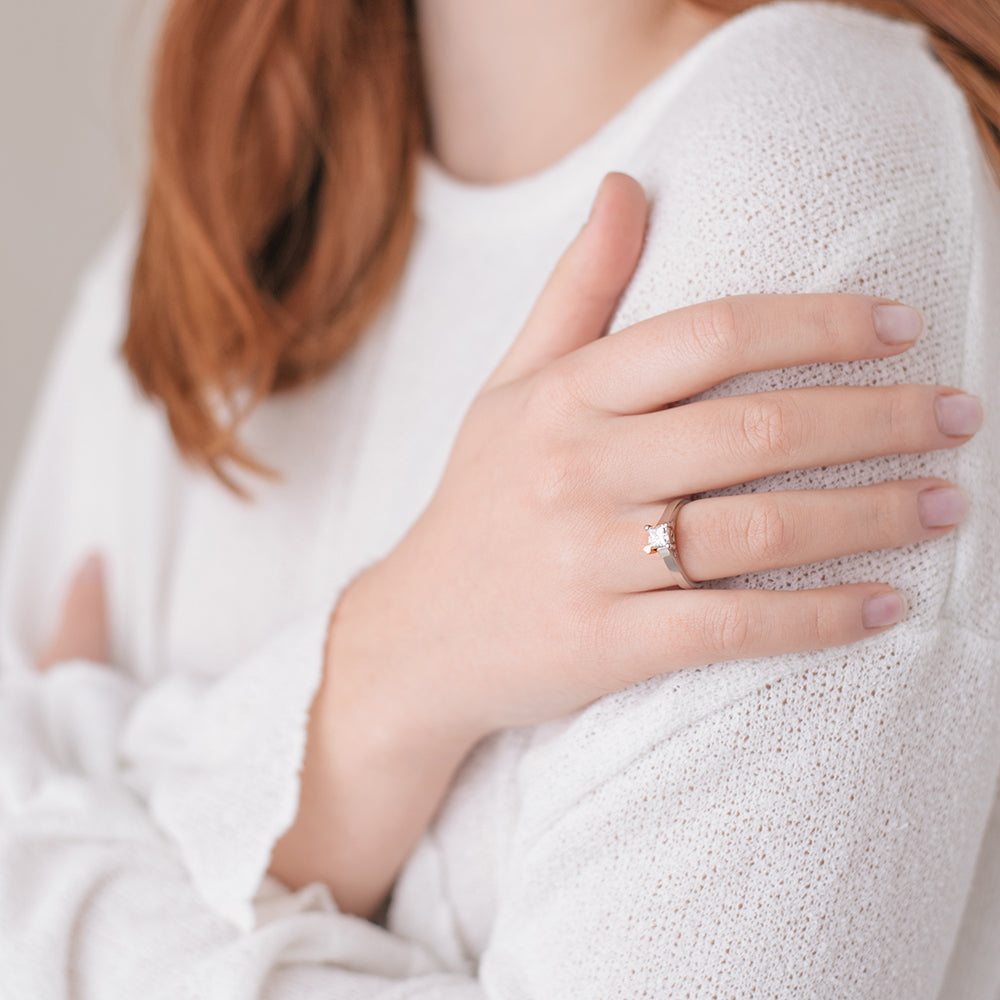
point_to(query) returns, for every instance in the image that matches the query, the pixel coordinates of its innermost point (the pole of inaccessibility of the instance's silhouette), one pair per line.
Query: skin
(82, 630)
(565, 607)
(513, 85)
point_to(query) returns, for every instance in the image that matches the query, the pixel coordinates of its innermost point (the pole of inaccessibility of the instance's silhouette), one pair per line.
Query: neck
(512, 86)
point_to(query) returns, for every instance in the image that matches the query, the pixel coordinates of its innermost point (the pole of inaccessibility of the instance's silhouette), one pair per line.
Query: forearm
(373, 776)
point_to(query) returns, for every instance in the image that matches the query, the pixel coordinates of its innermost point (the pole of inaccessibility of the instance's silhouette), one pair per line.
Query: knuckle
(895, 415)
(548, 398)
(769, 425)
(569, 385)
(769, 535)
(729, 627)
(901, 408)
(565, 472)
(834, 319)
(824, 626)
(883, 518)
(716, 329)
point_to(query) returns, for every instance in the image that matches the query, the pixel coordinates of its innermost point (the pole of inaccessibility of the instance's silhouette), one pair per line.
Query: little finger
(663, 631)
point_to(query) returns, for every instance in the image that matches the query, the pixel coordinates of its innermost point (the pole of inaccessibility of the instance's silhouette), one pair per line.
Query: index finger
(677, 354)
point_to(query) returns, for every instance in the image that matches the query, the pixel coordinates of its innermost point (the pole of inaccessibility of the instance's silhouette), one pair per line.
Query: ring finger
(720, 537)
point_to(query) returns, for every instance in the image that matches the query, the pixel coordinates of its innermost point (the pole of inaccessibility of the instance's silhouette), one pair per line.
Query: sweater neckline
(446, 199)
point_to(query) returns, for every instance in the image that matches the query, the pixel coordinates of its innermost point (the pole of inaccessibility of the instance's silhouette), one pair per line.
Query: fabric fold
(229, 788)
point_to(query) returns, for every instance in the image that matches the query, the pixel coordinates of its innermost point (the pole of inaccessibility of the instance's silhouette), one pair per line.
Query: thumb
(82, 629)
(576, 304)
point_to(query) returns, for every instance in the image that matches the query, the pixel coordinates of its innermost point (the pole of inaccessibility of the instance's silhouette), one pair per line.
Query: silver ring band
(663, 541)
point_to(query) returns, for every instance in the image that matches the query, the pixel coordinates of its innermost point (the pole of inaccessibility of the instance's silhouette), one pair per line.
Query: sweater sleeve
(791, 827)
(180, 740)
(139, 804)
(814, 824)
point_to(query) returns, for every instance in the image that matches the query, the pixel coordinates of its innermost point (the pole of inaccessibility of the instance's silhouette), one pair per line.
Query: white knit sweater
(817, 825)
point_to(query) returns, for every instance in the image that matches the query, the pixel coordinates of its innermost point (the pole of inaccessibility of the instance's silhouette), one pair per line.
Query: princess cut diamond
(658, 536)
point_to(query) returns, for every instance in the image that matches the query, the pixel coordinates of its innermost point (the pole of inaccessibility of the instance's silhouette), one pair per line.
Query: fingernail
(882, 609)
(959, 414)
(895, 324)
(941, 507)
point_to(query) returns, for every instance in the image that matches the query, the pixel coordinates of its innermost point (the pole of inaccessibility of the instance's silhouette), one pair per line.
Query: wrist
(376, 768)
(379, 681)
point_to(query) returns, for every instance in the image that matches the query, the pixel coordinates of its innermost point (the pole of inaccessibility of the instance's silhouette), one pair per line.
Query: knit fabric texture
(816, 825)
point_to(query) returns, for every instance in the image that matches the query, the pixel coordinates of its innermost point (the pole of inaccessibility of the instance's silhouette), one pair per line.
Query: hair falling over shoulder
(278, 212)
(279, 207)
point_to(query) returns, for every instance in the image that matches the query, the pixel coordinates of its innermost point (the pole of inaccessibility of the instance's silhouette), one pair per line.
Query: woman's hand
(522, 592)
(81, 631)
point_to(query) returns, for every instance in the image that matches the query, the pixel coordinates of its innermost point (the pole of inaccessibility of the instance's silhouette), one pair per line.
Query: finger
(577, 302)
(720, 537)
(674, 629)
(714, 443)
(81, 632)
(677, 354)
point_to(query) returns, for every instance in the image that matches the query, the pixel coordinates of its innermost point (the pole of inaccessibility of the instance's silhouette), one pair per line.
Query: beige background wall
(72, 81)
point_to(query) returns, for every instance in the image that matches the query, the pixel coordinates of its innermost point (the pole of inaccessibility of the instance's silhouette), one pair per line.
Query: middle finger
(713, 443)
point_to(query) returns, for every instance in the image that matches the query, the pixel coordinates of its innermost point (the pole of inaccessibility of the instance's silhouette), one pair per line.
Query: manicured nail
(882, 610)
(896, 324)
(942, 507)
(959, 414)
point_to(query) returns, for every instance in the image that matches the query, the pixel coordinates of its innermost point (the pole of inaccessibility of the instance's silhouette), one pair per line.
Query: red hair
(279, 214)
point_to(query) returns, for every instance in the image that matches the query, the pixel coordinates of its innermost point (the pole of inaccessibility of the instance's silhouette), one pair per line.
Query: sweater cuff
(231, 789)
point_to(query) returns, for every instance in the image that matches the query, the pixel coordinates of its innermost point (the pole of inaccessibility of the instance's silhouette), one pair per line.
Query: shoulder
(822, 69)
(88, 405)
(811, 146)
(99, 313)
(87, 383)
(815, 99)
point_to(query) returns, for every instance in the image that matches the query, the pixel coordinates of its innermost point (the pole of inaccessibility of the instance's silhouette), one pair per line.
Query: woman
(499, 728)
